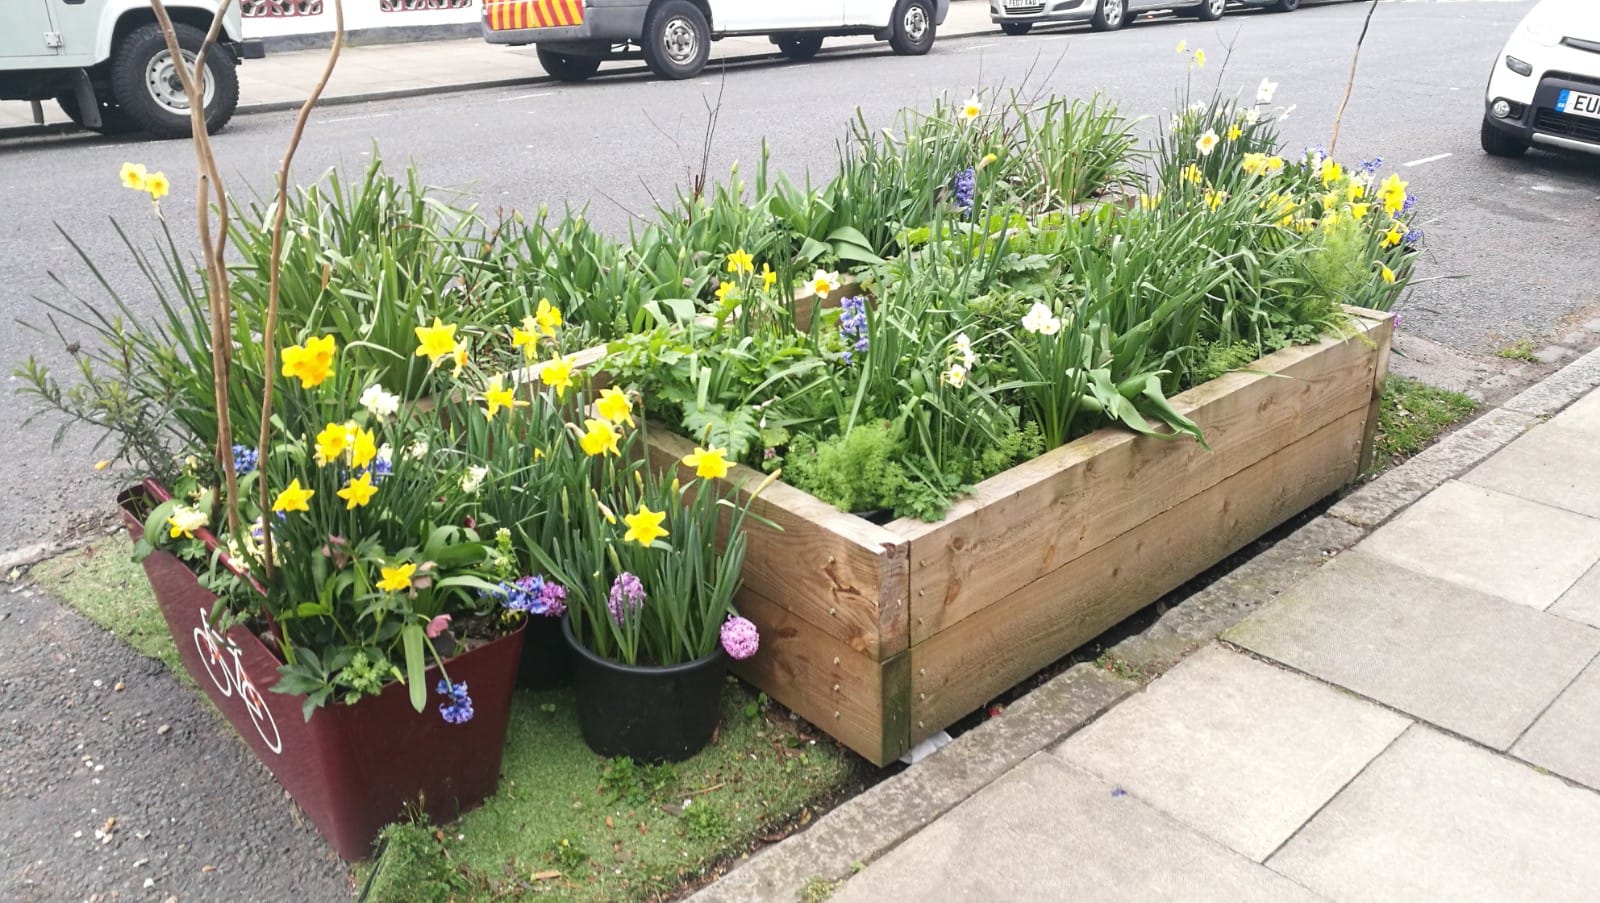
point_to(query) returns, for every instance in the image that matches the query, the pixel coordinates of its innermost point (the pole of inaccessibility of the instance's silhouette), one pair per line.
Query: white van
(674, 37)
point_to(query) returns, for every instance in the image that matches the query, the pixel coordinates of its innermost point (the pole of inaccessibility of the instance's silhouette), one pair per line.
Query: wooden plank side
(1380, 377)
(963, 667)
(846, 576)
(825, 681)
(1033, 518)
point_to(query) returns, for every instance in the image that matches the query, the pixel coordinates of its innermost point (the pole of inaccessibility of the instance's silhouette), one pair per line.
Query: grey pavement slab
(1240, 750)
(1049, 832)
(1554, 464)
(1468, 662)
(1436, 818)
(1583, 416)
(1582, 602)
(1566, 738)
(1492, 542)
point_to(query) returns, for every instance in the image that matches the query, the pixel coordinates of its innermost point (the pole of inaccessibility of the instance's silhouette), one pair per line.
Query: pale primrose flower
(956, 376)
(184, 521)
(1040, 320)
(382, 404)
(1265, 92)
(473, 479)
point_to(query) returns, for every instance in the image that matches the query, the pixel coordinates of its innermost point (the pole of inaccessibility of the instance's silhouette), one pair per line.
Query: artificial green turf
(565, 823)
(1411, 416)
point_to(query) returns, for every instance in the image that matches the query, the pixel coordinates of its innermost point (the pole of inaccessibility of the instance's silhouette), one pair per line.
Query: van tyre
(147, 90)
(1210, 10)
(1109, 15)
(1016, 29)
(677, 40)
(1497, 143)
(567, 67)
(912, 31)
(1285, 6)
(799, 47)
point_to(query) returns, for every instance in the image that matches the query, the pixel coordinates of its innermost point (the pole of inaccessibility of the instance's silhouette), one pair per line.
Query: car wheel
(1497, 143)
(145, 83)
(1109, 15)
(1211, 10)
(677, 41)
(112, 120)
(799, 47)
(912, 31)
(567, 67)
(1016, 28)
(1285, 6)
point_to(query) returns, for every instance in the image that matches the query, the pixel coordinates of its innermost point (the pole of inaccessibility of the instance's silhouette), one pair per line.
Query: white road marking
(525, 96)
(358, 118)
(1433, 159)
(974, 47)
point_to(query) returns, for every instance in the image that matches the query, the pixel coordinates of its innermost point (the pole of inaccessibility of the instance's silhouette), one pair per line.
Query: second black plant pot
(546, 657)
(647, 713)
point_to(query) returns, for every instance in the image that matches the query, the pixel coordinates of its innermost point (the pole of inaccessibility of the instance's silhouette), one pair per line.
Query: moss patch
(1412, 416)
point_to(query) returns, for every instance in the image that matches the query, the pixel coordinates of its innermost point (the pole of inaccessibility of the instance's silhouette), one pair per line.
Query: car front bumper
(1042, 11)
(1533, 118)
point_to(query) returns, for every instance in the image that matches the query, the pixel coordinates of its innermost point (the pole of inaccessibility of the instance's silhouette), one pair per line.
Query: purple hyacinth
(1412, 237)
(740, 637)
(853, 326)
(1371, 166)
(457, 708)
(244, 460)
(627, 597)
(533, 595)
(1409, 203)
(963, 186)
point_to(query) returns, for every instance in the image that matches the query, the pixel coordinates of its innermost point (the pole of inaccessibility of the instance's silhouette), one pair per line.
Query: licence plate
(1023, 5)
(1578, 104)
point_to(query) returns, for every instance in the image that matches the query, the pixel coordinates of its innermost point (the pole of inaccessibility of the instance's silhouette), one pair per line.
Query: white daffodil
(473, 479)
(824, 283)
(956, 376)
(1040, 320)
(1207, 143)
(1265, 92)
(382, 404)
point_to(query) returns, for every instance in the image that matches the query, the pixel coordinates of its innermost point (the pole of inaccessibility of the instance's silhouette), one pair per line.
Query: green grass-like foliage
(1412, 415)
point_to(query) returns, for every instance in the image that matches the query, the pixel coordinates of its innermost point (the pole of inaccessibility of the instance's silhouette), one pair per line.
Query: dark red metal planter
(351, 768)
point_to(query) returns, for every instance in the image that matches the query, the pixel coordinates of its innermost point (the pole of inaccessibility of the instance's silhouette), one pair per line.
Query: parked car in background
(1017, 17)
(673, 37)
(1545, 86)
(107, 64)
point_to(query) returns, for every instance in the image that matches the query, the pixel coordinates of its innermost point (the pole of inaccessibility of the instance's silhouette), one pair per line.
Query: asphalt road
(1501, 236)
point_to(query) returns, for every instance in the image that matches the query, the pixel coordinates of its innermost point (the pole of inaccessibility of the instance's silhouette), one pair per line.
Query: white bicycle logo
(211, 646)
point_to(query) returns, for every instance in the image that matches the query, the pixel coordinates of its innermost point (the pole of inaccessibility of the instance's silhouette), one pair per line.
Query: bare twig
(1350, 85)
(269, 330)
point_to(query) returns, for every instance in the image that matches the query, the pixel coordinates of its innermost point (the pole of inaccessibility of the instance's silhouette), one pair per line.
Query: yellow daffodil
(1274, 165)
(184, 521)
(987, 159)
(133, 176)
(1193, 175)
(768, 277)
(1393, 193)
(156, 185)
(1359, 211)
(548, 317)
(1331, 171)
(1393, 237)
(102, 465)
(615, 406)
(436, 342)
(363, 448)
(600, 439)
(1234, 132)
(1183, 47)
(1355, 191)
(708, 463)
(557, 374)
(1214, 199)
(332, 442)
(293, 499)
(724, 289)
(538, 455)
(972, 109)
(1149, 201)
(1386, 274)
(358, 492)
(497, 395)
(311, 363)
(458, 359)
(397, 579)
(1254, 164)
(644, 526)
(526, 338)
(1207, 143)
(741, 262)
(1200, 58)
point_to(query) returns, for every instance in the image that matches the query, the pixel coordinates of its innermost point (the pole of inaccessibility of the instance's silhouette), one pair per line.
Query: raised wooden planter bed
(883, 636)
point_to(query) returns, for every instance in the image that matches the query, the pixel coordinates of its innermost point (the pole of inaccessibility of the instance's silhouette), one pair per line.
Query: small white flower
(386, 453)
(1265, 92)
(1252, 115)
(972, 109)
(1040, 320)
(417, 450)
(473, 479)
(1207, 143)
(382, 404)
(962, 348)
(956, 376)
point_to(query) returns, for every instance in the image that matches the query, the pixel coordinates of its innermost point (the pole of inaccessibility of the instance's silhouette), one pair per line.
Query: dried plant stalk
(1350, 84)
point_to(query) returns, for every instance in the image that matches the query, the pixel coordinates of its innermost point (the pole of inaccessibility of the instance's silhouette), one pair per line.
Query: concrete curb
(863, 829)
(248, 109)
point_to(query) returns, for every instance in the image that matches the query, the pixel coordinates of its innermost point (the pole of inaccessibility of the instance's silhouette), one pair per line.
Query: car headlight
(1518, 66)
(1544, 33)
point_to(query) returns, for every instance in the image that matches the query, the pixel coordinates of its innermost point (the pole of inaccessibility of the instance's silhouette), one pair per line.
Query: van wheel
(1109, 15)
(112, 120)
(1497, 143)
(1210, 10)
(145, 83)
(1016, 29)
(566, 67)
(801, 46)
(1285, 6)
(912, 31)
(677, 41)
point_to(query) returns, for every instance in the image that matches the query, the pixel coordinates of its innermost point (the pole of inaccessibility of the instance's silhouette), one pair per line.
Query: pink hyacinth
(740, 637)
(437, 626)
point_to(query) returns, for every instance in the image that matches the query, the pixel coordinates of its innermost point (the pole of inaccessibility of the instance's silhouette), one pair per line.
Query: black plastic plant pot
(649, 714)
(879, 516)
(546, 658)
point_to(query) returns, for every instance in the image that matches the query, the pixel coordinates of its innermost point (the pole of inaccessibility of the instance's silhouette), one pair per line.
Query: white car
(1017, 17)
(1545, 88)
